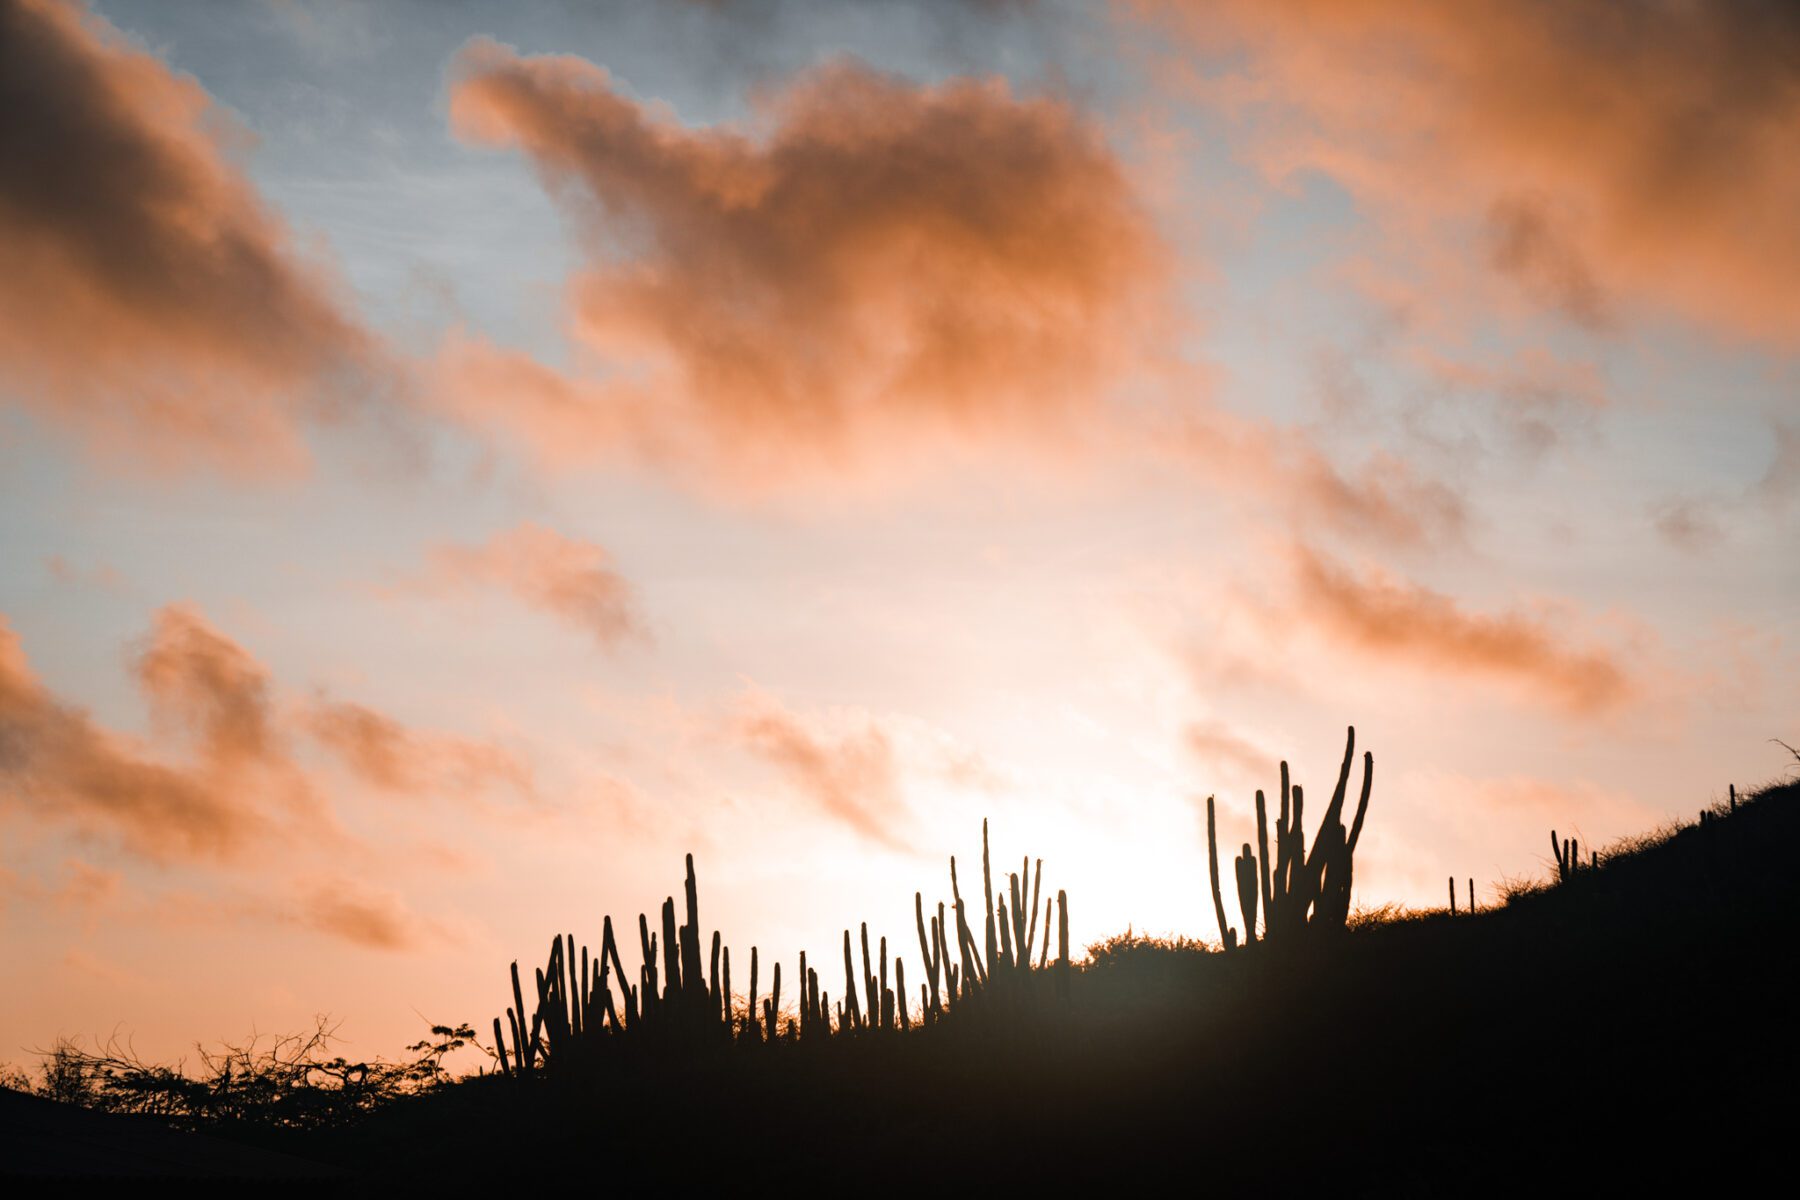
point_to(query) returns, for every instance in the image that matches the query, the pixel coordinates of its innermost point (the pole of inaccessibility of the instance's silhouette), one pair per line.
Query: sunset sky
(455, 458)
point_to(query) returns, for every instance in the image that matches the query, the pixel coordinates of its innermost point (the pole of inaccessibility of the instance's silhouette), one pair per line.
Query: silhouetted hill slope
(1630, 1024)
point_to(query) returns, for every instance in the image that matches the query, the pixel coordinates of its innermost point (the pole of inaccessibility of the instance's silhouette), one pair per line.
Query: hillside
(1622, 1025)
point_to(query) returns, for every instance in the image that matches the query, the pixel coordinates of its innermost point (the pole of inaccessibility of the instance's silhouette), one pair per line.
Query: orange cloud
(851, 777)
(1394, 619)
(873, 265)
(1601, 153)
(243, 783)
(396, 758)
(56, 762)
(202, 682)
(148, 297)
(377, 920)
(568, 578)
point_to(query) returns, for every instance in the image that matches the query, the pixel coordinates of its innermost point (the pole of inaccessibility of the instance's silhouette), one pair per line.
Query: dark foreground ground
(1631, 1027)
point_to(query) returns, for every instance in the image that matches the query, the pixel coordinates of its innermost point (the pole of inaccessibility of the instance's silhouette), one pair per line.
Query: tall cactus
(1247, 892)
(1227, 935)
(1301, 890)
(1062, 944)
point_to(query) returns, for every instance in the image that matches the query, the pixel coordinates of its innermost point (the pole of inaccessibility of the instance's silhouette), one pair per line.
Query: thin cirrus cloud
(149, 299)
(1598, 151)
(570, 579)
(1401, 621)
(872, 264)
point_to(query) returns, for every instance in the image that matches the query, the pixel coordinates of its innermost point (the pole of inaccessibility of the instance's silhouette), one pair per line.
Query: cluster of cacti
(1568, 858)
(1010, 934)
(676, 996)
(1297, 890)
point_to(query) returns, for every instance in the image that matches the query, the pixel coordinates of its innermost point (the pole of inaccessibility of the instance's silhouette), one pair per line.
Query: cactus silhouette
(1303, 890)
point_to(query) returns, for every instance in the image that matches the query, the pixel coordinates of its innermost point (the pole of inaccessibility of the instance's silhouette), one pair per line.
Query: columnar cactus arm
(924, 948)
(1037, 885)
(690, 949)
(518, 1019)
(1062, 943)
(1006, 942)
(900, 993)
(1334, 811)
(886, 1003)
(1247, 892)
(712, 982)
(987, 887)
(871, 995)
(774, 1014)
(671, 951)
(1362, 803)
(1212, 862)
(972, 972)
(1262, 858)
(849, 979)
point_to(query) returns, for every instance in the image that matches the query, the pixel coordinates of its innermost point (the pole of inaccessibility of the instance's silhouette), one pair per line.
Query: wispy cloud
(849, 771)
(570, 579)
(1396, 619)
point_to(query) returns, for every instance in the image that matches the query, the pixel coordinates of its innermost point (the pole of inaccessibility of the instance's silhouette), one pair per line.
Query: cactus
(1006, 937)
(987, 887)
(851, 1012)
(900, 993)
(677, 996)
(1062, 944)
(871, 994)
(1299, 890)
(1227, 935)
(928, 955)
(1568, 858)
(1247, 892)
(773, 1012)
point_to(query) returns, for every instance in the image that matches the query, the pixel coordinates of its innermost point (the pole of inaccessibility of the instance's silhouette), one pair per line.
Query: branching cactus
(1568, 858)
(1301, 890)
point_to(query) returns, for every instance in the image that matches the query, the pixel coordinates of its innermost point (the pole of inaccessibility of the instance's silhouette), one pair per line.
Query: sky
(457, 458)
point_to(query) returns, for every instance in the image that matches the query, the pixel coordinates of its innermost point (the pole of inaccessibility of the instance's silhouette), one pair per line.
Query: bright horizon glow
(459, 461)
